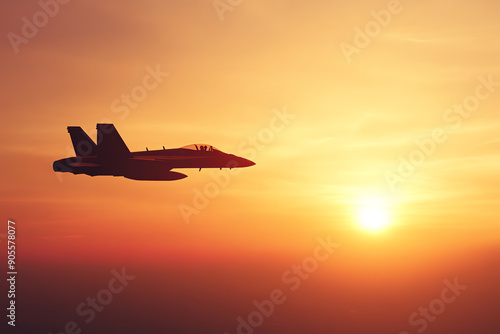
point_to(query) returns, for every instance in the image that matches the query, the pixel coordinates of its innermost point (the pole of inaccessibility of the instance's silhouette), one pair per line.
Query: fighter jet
(112, 157)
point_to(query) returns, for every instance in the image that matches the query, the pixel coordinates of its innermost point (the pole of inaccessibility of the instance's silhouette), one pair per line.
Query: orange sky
(351, 120)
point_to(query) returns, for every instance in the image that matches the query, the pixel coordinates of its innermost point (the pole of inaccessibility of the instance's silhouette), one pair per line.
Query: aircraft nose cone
(247, 163)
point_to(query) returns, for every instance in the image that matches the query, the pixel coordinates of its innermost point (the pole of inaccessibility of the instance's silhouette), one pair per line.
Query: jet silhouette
(112, 157)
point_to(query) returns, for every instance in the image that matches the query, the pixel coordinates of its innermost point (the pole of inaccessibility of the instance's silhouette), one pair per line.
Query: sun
(373, 213)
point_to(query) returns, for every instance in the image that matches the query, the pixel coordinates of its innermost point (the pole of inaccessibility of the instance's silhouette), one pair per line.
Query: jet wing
(162, 158)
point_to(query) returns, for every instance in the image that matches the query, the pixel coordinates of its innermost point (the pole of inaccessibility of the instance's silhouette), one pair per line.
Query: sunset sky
(378, 109)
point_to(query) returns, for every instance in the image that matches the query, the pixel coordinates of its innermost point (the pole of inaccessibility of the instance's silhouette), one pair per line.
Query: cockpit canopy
(201, 147)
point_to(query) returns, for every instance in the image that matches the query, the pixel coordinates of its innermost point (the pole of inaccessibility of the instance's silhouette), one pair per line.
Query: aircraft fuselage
(113, 158)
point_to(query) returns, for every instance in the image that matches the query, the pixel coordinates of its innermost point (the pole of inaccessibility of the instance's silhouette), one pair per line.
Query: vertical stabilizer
(83, 145)
(109, 142)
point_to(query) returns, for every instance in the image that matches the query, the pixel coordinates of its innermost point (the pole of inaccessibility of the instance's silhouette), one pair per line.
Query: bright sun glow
(373, 213)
